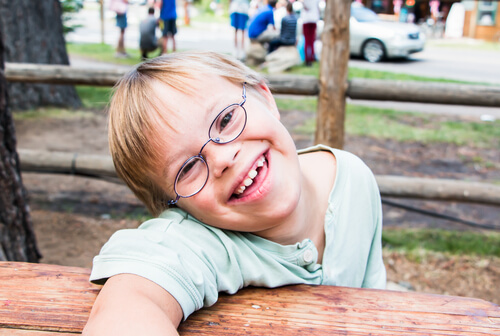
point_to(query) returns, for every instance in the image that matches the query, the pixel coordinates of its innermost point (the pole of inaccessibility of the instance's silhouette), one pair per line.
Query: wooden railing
(369, 89)
(101, 166)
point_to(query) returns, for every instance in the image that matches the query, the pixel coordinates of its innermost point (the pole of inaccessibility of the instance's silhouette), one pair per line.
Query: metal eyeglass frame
(215, 140)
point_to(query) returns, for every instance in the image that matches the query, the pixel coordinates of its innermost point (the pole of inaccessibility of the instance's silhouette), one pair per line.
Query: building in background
(475, 19)
(482, 20)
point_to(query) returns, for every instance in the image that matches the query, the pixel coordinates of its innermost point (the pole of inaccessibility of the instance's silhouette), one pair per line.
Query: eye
(225, 119)
(187, 169)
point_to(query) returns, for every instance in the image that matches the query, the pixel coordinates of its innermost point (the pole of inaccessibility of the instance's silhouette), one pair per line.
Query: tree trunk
(17, 239)
(32, 32)
(333, 74)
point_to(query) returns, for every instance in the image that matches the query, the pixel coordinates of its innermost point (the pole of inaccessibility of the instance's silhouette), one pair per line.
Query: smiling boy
(197, 137)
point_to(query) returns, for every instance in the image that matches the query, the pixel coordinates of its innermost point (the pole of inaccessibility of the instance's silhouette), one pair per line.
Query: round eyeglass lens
(192, 177)
(228, 124)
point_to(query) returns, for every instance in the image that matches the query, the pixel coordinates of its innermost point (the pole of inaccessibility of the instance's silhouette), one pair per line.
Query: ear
(269, 98)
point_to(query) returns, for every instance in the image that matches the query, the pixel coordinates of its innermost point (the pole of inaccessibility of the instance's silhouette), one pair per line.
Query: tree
(333, 74)
(33, 33)
(17, 239)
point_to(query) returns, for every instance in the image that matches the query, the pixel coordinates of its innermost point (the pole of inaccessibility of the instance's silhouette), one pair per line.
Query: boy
(238, 10)
(197, 137)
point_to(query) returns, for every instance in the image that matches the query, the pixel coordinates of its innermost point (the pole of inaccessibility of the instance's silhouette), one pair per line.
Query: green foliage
(453, 242)
(69, 7)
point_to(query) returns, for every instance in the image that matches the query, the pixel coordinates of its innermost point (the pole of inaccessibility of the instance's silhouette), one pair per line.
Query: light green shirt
(194, 261)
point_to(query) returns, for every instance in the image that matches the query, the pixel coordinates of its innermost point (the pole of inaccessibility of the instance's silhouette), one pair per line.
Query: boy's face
(264, 147)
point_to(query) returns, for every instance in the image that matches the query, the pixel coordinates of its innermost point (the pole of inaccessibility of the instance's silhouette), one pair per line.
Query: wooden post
(333, 74)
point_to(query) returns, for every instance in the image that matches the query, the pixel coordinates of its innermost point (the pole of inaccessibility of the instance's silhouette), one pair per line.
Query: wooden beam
(438, 189)
(424, 92)
(61, 74)
(358, 88)
(101, 166)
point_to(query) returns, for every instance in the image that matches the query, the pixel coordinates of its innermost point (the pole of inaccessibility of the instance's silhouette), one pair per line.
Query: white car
(375, 39)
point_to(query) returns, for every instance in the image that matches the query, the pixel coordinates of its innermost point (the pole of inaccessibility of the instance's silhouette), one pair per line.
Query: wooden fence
(369, 89)
(390, 186)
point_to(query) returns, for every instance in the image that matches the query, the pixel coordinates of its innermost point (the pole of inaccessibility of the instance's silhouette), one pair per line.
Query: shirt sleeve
(156, 251)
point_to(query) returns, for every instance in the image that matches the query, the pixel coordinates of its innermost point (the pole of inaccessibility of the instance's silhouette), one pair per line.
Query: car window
(363, 14)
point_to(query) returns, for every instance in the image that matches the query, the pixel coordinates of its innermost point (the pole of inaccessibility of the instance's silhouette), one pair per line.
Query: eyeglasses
(226, 127)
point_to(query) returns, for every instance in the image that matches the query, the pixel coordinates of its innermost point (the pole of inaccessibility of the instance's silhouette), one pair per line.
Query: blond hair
(134, 114)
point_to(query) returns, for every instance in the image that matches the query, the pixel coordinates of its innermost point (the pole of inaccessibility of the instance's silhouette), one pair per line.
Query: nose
(221, 157)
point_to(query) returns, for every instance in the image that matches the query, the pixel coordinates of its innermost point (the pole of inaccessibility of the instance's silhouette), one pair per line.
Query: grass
(49, 112)
(103, 53)
(452, 242)
(401, 126)
(375, 74)
(94, 96)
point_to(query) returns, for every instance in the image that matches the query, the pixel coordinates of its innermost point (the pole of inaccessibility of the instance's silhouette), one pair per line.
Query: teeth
(251, 175)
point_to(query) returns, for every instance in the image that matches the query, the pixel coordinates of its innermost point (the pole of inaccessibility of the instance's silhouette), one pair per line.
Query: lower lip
(259, 188)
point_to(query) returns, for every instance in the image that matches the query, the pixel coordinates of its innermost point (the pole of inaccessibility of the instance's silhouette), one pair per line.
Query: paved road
(463, 62)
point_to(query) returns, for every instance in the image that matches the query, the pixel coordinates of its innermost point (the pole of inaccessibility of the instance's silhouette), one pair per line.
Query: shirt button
(308, 256)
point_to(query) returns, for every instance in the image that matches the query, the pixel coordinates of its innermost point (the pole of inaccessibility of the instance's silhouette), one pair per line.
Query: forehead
(197, 99)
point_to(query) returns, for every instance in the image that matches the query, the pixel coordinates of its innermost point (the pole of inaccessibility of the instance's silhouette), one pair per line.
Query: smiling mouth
(249, 180)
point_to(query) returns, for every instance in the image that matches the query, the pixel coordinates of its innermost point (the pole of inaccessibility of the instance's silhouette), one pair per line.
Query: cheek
(201, 205)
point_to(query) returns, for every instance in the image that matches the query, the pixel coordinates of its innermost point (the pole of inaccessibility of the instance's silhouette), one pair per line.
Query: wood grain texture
(50, 300)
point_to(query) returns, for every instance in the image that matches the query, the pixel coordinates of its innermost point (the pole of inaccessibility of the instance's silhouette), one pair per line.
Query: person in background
(288, 32)
(148, 42)
(168, 14)
(120, 8)
(258, 30)
(310, 16)
(238, 10)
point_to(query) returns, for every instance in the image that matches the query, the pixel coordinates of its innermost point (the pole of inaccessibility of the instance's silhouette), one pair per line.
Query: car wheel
(373, 51)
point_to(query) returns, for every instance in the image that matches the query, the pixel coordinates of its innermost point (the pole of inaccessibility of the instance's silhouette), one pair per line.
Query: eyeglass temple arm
(173, 202)
(244, 94)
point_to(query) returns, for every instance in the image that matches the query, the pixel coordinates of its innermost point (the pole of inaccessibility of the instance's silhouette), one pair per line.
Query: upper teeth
(251, 175)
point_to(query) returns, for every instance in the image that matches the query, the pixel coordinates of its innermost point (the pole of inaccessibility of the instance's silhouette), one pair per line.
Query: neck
(319, 170)
(303, 222)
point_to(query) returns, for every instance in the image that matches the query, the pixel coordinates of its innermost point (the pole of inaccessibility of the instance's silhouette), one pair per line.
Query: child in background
(120, 7)
(197, 137)
(238, 10)
(148, 42)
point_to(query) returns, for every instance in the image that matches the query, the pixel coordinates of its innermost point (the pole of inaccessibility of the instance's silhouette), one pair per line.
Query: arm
(132, 305)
